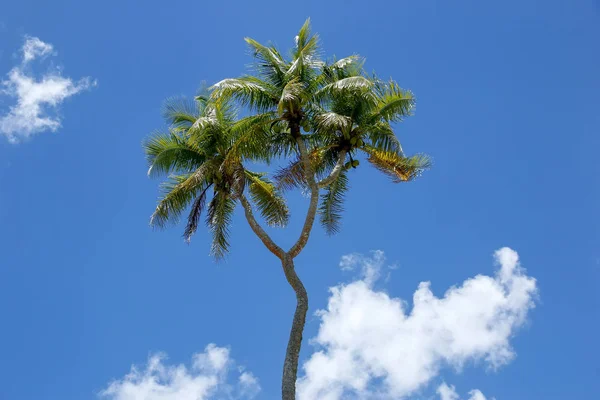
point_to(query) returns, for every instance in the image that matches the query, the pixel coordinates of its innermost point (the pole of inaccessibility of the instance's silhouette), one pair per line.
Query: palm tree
(342, 111)
(200, 152)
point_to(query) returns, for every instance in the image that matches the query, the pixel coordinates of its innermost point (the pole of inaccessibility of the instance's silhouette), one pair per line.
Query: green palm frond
(250, 139)
(340, 69)
(352, 84)
(393, 103)
(351, 65)
(331, 122)
(194, 215)
(396, 166)
(218, 218)
(331, 207)
(292, 94)
(248, 91)
(382, 137)
(303, 37)
(270, 65)
(267, 198)
(212, 131)
(180, 112)
(179, 191)
(168, 152)
(305, 58)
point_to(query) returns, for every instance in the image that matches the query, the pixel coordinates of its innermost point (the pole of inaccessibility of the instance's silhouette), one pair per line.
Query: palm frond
(303, 37)
(393, 103)
(340, 69)
(292, 94)
(249, 91)
(330, 122)
(179, 191)
(382, 137)
(351, 63)
(194, 215)
(270, 65)
(331, 207)
(180, 112)
(305, 59)
(349, 84)
(396, 166)
(267, 198)
(250, 139)
(168, 152)
(218, 218)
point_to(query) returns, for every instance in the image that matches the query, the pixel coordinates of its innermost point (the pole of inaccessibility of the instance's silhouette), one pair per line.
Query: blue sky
(507, 106)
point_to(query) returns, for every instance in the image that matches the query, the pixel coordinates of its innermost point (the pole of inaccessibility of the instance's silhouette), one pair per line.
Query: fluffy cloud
(36, 101)
(372, 346)
(207, 378)
(449, 393)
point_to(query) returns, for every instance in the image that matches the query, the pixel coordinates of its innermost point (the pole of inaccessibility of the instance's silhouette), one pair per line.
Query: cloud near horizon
(206, 378)
(36, 101)
(371, 345)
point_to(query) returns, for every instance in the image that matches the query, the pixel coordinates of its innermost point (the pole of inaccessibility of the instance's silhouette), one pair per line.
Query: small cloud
(370, 267)
(36, 101)
(249, 385)
(206, 379)
(34, 48)
(449, 393)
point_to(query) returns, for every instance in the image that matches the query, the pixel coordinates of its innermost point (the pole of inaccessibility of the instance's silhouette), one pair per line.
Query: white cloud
(207, 378)
(36, 101)
(372, 346)
(449, 393)
(34, 48)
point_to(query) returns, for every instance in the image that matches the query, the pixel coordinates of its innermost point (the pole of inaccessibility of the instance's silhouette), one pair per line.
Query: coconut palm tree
(343, 113)
(200, 155)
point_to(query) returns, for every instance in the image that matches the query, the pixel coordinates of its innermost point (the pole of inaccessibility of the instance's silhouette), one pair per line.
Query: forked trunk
(290, 366)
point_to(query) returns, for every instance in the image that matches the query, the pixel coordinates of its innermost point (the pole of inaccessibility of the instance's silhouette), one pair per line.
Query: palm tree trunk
(290, 366)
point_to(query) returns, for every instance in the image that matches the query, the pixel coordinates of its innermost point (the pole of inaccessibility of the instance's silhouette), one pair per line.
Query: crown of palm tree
(342, 110)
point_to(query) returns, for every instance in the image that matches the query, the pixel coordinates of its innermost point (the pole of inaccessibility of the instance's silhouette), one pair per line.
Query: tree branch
(309, 174)
(258, 230)
(335, 172)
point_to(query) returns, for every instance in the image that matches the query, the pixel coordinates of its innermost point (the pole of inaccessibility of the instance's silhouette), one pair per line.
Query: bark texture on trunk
(290, 366)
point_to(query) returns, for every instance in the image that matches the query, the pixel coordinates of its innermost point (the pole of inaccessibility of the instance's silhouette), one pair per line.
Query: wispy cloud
(207, 378)
(371, 346)
(36, 101)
